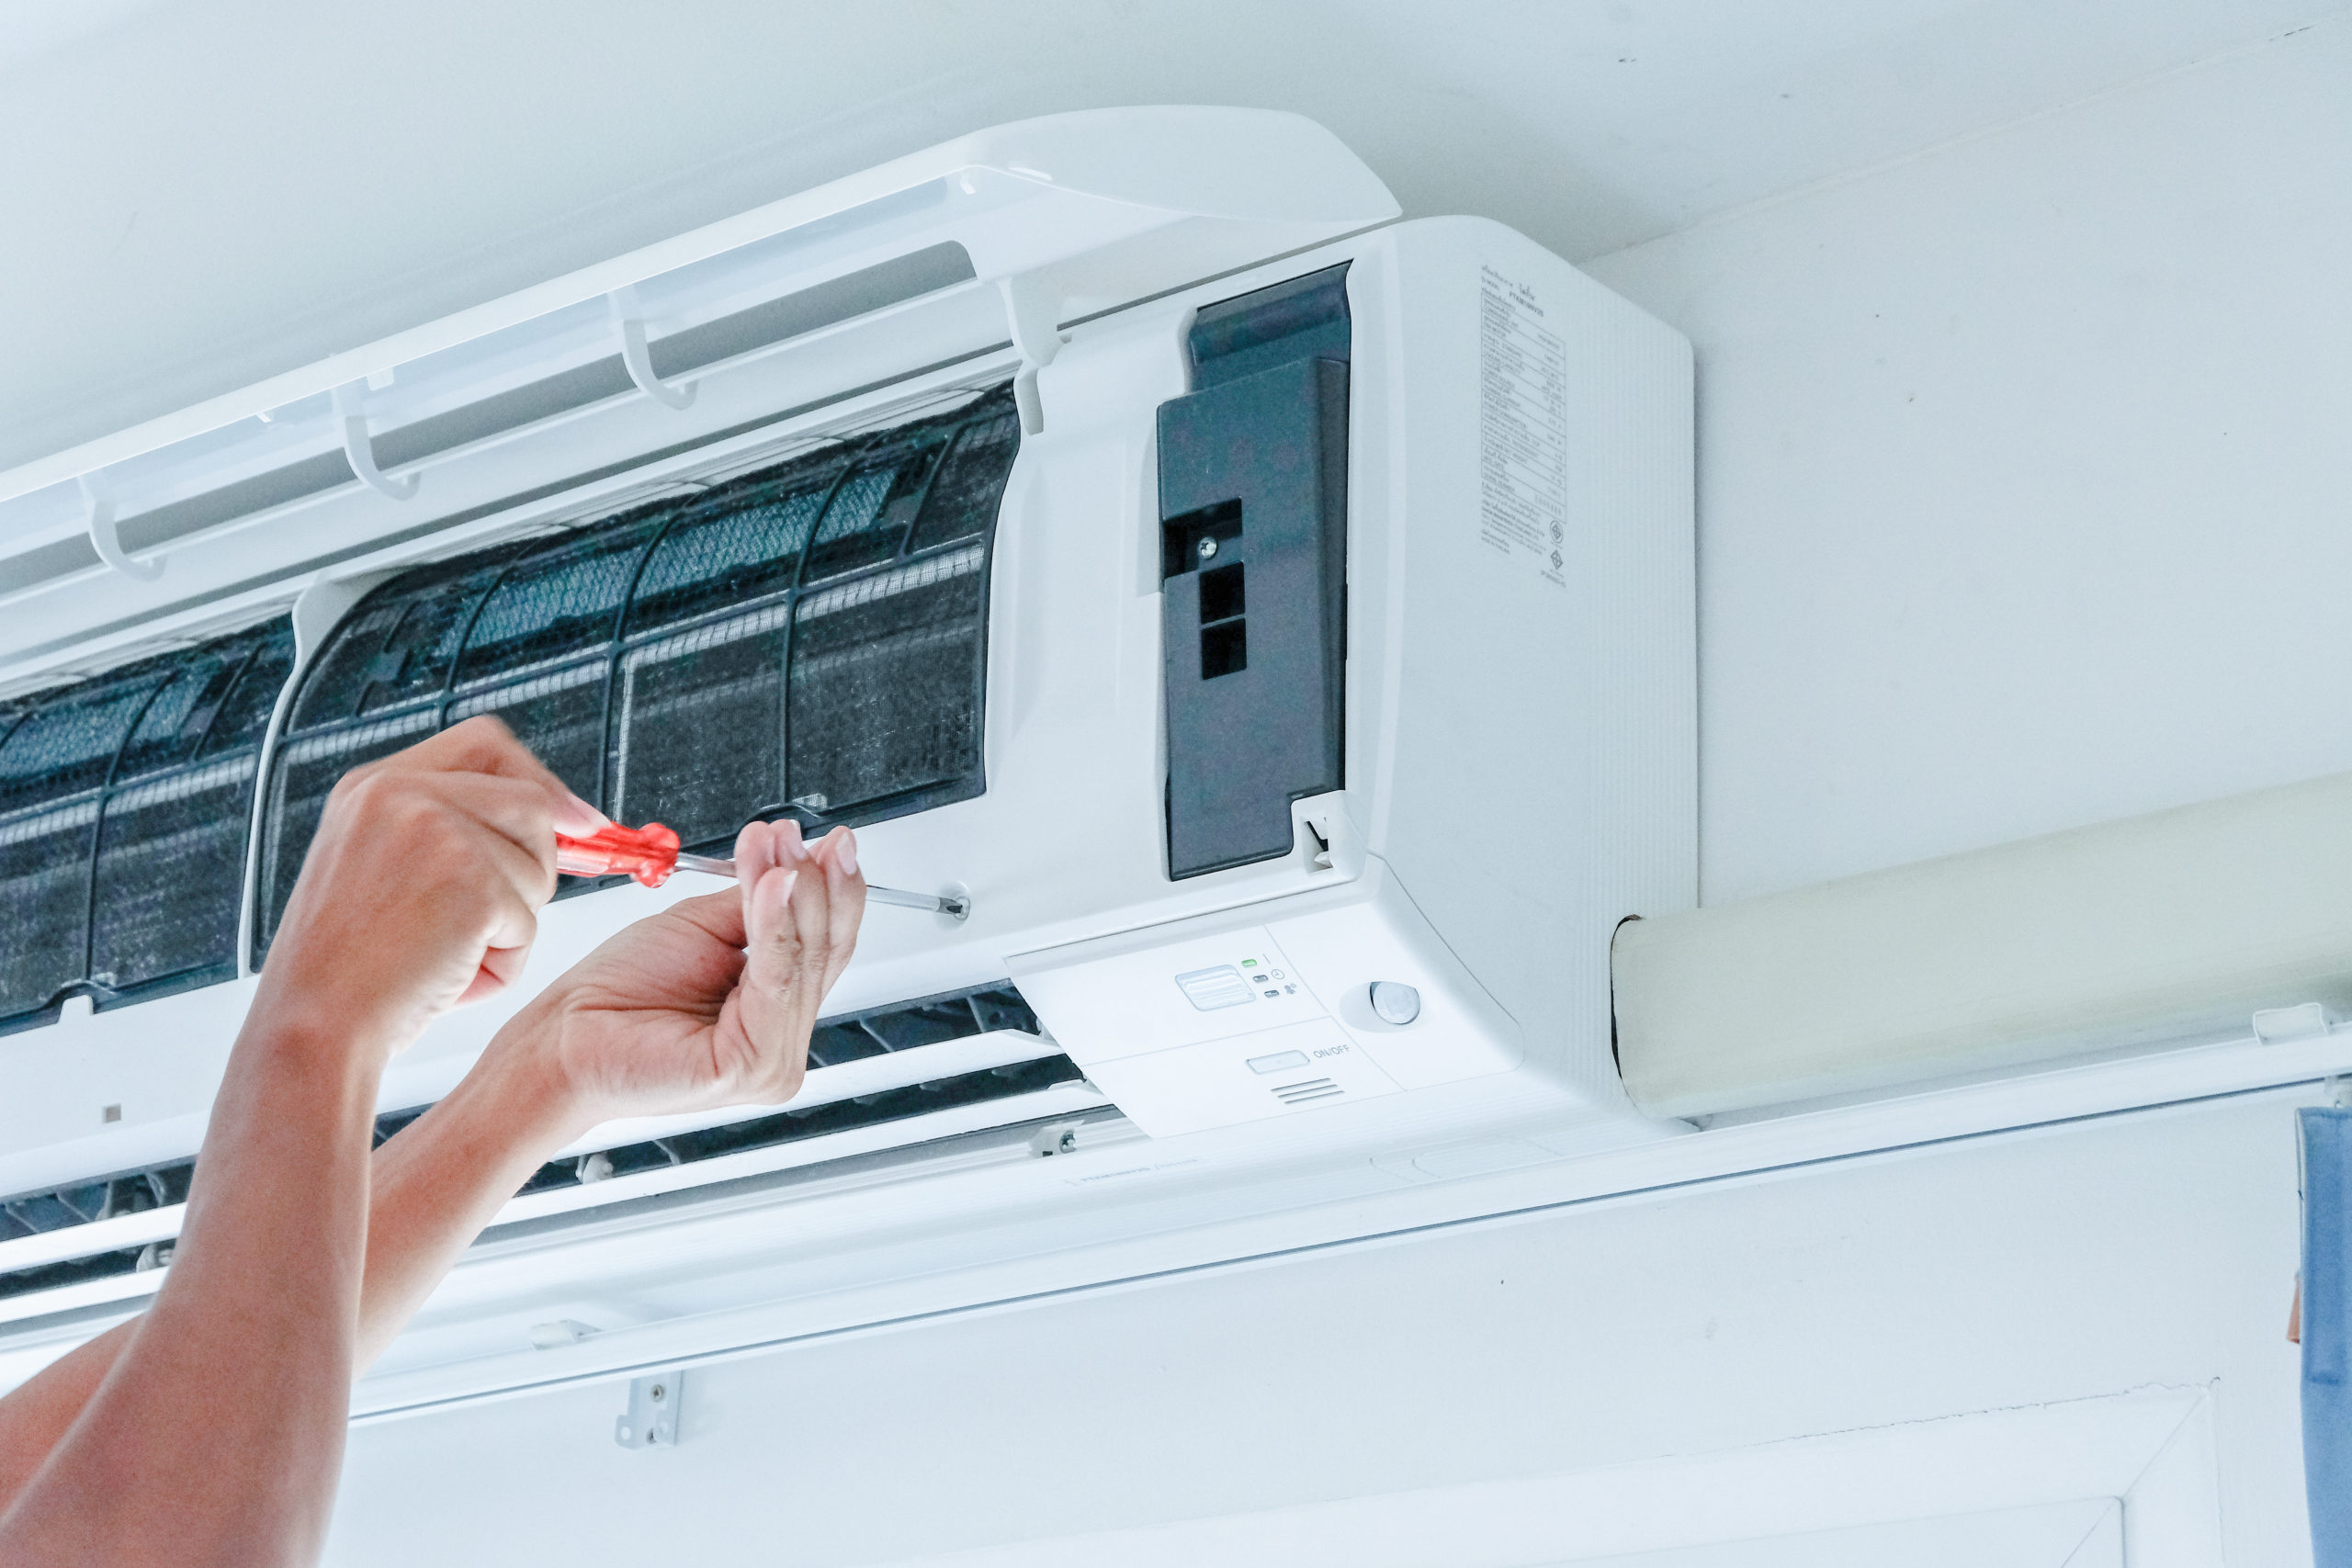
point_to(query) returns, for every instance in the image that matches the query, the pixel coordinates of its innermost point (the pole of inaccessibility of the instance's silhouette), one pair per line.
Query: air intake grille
(808, 640)
(123, 806)
(903, 1026)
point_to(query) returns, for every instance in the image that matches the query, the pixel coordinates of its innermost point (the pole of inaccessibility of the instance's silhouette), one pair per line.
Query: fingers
(771, 902)
(794, 915)
(844, 898)
(721, 916)
(484, 745)
(423, 885)
(759, 847)
(755, 852)
(516, 812)
(441, 826)
(470, 852)
(500, 967)
(775, 936)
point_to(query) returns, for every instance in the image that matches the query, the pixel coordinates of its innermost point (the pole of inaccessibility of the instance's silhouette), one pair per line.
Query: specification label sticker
(1522, 429)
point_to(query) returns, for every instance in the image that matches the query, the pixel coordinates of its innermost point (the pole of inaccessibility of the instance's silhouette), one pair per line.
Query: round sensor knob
(1396, 1003)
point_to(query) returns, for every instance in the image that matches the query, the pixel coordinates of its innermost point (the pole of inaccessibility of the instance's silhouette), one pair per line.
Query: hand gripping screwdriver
(651, 853)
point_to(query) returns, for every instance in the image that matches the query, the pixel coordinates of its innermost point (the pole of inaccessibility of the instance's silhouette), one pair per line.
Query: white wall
(2024, 474)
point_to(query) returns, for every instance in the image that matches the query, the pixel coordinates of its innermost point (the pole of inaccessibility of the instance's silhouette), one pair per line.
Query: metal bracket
(351, 413)
(638, 358)
(654, 1406)
(1033, 314)
(99, 517)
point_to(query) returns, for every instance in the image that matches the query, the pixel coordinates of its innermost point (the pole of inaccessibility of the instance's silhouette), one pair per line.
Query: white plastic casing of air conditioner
(1519, 746)
(1520, 734)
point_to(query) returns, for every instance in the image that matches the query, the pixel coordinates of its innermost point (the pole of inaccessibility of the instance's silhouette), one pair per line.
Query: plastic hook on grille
(1032, 316)
(99, 514)
(637, 358)
(351, 413)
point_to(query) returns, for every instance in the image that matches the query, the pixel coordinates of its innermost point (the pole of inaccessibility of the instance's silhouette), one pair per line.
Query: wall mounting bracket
(654, 1406)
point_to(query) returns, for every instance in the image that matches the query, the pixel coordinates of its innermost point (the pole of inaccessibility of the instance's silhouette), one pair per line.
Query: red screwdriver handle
(649, 853)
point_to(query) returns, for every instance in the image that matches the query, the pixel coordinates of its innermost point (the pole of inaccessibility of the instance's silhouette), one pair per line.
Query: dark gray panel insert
(1253, 525)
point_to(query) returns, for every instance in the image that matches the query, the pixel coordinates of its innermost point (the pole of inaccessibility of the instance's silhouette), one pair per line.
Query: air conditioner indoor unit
(1274, 617)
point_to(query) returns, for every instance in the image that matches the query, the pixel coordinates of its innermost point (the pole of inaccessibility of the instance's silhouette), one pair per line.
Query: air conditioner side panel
(1538, 782)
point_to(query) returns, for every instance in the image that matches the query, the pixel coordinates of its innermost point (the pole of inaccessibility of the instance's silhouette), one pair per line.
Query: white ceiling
(201, 194)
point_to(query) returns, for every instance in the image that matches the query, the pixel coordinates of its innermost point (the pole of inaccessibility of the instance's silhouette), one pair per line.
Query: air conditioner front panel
(1065, 840)
(1457, 875)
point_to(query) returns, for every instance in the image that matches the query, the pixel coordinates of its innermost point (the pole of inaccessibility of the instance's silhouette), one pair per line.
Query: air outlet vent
(1312, 1090)
(812, 633)
(902, 1027)
(123, 805)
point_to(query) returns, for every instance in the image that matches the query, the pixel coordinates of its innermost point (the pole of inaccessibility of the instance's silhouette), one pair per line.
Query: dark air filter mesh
(704, 711)
(884, 686)
(810, 638)
(124, 802)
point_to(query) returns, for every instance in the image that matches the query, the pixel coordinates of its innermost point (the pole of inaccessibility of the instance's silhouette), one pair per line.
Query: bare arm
(420, 891)
(430, 1189)
(255, 1316)
(709, 1003)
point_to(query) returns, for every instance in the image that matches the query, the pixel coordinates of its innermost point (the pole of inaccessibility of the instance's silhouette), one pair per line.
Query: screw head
(659, 1391)
(1208, 550)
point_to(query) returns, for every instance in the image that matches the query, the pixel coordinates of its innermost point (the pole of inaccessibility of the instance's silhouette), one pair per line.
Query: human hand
(421, 888)
(710, 1002)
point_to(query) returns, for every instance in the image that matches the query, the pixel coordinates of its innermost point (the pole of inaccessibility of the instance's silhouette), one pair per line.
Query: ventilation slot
(124, 800)
(811, 638)
(904, 1026)
(1312, 1090)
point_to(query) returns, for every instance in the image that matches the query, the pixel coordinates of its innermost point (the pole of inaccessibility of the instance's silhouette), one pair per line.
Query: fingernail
(587, 816)
(789, 845)
(774, 893)
(846, 852)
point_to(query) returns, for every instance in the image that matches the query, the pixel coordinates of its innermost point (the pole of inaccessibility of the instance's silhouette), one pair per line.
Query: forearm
(257, 1315)
(430, 1189)
(445, 1176)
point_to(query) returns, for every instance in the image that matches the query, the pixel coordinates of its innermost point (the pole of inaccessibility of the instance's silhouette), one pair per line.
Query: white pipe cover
(2163, 927)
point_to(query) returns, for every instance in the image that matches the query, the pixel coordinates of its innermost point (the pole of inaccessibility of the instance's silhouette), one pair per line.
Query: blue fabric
(2327, 1333)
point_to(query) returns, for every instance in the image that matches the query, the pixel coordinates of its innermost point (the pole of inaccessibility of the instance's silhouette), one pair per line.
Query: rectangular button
(1278, 1062)
(1222, 987)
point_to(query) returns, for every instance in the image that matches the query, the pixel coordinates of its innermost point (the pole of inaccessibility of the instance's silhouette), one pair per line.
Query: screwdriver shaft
(712, 865)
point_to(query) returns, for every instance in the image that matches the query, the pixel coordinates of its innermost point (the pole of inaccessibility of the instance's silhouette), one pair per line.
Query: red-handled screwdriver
(651, 853)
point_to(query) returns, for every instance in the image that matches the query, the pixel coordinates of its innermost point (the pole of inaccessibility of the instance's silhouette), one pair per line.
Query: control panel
(1222, 1018)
